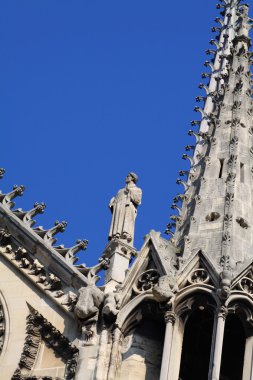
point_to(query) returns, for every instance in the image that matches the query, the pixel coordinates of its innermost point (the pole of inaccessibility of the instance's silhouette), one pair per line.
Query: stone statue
(124, 209)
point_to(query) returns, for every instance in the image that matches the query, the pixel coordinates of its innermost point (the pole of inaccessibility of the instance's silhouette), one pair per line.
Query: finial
(6, 199)
(69, 253)
(186, 157)
(27, 216)
(48, 235)
(181, 182)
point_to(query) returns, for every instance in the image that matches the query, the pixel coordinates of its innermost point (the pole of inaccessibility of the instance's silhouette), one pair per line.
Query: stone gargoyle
(111, 305)
(165, 289)
(90, 298)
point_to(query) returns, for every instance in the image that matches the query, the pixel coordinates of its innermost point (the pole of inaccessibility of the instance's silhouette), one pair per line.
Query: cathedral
(180, 308)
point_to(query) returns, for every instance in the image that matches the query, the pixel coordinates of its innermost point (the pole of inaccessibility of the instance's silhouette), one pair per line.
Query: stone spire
(216, 214)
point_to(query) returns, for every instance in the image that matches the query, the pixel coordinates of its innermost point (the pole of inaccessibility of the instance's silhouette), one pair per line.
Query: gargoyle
(111, 305)
(89, 300)
(165, 289)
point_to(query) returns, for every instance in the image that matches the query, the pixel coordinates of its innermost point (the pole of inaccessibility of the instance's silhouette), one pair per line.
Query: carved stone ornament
(38, 329)
(4, 236)
(165, 289)
(87, 307)
(198, 276)
(111, 305)
(146, 281)
(229, 199)
(36, 271)
(231, 177)
(226, 279)
(222, 312)
(90, 298)
(226, 238)
(246, 285)
(170, 317)
(242, 222)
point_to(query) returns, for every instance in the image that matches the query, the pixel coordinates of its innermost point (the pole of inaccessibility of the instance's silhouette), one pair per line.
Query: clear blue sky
(90, 90)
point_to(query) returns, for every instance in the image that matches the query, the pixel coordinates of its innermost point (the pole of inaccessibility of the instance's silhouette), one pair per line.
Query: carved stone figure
(111, 305)
(89, 300)
(165, 289)
(124, 209)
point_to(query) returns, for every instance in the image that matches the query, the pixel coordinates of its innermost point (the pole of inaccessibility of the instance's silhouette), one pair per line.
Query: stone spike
(206, 75)
(211, 51)
(215, 43)
(189, 148)
(209, 64)
(183, 173)
(203, 113)
(48, 235)
(27, 216)
(195, 122)
(197, 136)
(6, 199)
(202, 86)
(175, 207)
(219, 21)
(186, 157)
(181, 182)
(91, 272)
(175, 218)
(169, 232)
(69, 253)
(199, 98)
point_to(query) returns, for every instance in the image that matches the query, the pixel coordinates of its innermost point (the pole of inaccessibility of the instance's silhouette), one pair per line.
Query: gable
(155, 259)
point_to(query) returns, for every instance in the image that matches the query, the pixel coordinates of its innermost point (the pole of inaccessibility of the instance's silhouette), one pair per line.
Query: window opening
(221, 167)
(242, 172)
(233, 349)
(197, 346)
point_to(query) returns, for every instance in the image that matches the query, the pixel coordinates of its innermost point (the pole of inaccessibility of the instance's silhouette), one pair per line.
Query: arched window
(197, 345)
(233, 349)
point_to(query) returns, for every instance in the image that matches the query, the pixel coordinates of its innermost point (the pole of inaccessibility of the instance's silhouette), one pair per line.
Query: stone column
(114, 354)
(221, 317)
(102, 356)
(248, 360)
(169, 320)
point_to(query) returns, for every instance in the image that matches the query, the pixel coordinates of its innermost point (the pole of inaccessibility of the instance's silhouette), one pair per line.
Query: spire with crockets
(215, 211)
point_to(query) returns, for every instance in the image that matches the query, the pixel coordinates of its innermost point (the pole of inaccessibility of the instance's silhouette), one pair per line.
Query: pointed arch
(143, 332)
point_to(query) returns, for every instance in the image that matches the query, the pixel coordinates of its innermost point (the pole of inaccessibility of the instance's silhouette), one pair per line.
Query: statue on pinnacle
(124, 210)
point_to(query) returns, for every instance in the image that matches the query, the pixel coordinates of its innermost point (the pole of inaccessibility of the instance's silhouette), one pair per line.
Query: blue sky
(90, 90)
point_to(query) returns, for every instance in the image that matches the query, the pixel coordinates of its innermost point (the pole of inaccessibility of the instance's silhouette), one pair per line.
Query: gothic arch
(143, 332)
(186, 298)
(240, 298)
(125, 312)
(193, 299)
